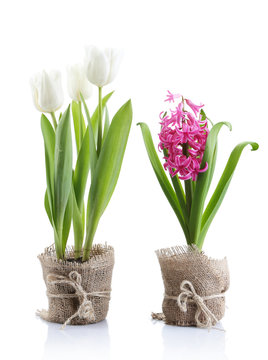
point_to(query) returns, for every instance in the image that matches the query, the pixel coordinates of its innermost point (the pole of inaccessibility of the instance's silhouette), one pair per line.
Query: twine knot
(74, 279)
(86, 311)
(189, 294)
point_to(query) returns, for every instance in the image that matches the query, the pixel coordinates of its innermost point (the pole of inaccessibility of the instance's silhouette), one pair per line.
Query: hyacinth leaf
(94, 118)
(62, 170)
(107, 171)
(81, 171)
(78, 227)
(48, 209)
(213, 165)
(162, 177)
(203, 180)
(221, 189)
(67, 222)
(49, 141)
(92, 145)
(106, 124)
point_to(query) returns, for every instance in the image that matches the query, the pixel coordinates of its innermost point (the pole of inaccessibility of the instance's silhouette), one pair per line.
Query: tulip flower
(102, 65)
(77, 83)
(47, 92)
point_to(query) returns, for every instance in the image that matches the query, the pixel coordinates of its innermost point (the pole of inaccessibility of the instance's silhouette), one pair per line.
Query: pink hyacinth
(183, 139)
(172, 97)
(195, 108)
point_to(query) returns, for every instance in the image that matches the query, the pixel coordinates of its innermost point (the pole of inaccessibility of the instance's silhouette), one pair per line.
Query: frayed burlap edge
(98, 254)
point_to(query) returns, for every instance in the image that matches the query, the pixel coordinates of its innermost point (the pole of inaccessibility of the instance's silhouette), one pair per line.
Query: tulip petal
(97, 66)
(115, 57)
(77, 82)
(47, 91)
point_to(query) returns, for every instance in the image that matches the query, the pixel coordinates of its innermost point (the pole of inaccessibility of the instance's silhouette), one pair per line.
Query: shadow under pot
(78, 292)
(195, 287)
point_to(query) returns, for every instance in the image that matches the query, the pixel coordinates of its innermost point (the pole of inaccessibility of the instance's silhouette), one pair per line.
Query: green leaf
(48, 209)
(79, 124)
(107, 171)
(106, 125)
(94, 118)
(92, 145)
(82, 123)
(204, 117)
(62, 169)
(81, 171)
(162, 177)
(83, 219)
(221, 189)
(78, 227)
(58, 244)
(49, 141)
(67, 222)
(213, 165)
(203, 182)
(76, 122)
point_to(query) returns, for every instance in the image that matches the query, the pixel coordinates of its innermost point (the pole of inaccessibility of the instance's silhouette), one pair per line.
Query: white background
(213, 52)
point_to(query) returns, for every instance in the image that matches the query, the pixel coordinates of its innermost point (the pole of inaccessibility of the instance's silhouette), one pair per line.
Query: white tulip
(102, 65)
(47, 91)
(77, 83)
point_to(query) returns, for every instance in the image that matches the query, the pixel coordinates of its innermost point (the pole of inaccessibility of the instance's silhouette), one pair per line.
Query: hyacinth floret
(183, 138)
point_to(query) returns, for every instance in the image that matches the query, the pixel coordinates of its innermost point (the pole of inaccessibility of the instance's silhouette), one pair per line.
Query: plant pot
(194, 287)
(78, 293)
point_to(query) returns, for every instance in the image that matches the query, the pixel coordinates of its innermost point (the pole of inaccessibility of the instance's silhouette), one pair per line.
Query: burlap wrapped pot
(78, 292)
(194, 287)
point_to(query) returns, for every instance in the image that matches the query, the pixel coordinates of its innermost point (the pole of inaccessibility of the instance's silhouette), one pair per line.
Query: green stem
(100, 122)
(80, 124)
(179, 192)
(189, 194)
(188, 184)
(54, 120)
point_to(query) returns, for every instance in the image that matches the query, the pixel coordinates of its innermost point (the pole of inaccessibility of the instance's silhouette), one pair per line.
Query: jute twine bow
(74, 279)
(189, 294)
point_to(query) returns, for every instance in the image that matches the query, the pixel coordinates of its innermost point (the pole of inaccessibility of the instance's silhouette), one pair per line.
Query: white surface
(211, 51)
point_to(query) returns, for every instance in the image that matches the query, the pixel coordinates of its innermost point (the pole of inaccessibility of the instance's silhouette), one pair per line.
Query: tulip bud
(77, 83)
(102, 65)
(47, 91)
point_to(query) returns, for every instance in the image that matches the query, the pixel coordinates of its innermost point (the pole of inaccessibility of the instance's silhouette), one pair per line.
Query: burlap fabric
(96, 277)
(208, 277)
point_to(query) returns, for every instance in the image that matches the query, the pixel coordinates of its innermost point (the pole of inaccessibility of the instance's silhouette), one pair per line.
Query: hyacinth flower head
(183, 137)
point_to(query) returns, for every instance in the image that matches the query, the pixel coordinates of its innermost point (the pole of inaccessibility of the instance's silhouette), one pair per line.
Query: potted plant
(78, 278)
(194, 284)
